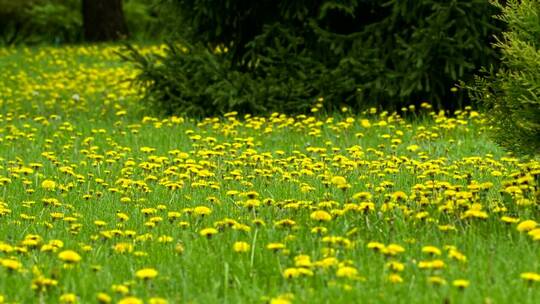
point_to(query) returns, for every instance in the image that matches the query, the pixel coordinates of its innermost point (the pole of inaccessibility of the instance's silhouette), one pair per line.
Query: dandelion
(321, 216)
(395, 266)
(103, 298)
(376, 246)
(146, 273)
(431, 250)
(202, 211)
(48, 185)
(69, 257)
(527, 225)
(208, 232)
(68, 298)
(461, 284)
(395, 278)
(347, 272)
(290, 273)
(436, 280)
(241, 247)
(157, 300)
(530, 277)
(130, 300)
(393, 249)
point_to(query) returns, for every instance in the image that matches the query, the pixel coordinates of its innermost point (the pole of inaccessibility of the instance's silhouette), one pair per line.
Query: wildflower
(347, 272)
(395, 266)
(461, 284)
(130, 300)
(340, 182)
(103, 298)
(282, 299)
(121, 289)
(395, 278)
(290, 273)
(527, 225)
(202, 211)
(241, 247)
(68, 298)
(146, 273)
(431, 250)
(69, 256)
(530, 276)
(509, 220)
(48, 185)
(208, 232)
(11, 264)
(393, 249)
(321, 216)
(434, 264)
(455, 254)
(436, 280)
(157, 300)
(375, 246)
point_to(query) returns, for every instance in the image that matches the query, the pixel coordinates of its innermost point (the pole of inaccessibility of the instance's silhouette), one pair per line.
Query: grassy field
(101, 203)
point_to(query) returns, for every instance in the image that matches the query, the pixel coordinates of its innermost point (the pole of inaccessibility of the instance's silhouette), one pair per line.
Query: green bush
(290, 53)
(511, 93)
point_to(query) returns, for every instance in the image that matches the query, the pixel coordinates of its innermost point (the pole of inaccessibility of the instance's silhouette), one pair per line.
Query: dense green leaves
(358, 53)
(60, 21)
(512, 93)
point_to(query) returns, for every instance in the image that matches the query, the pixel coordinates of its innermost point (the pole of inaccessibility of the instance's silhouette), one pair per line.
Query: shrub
(352, 52)
(511, 93)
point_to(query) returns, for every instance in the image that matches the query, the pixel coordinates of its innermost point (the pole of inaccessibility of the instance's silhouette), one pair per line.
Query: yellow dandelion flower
(436, 280)
(530, 276)
(69, 256)
(395, 278)
(395, 266)
(157, 300)
(202, 211)
(241, 247)
(130, 300)
(375, 246)
(461, 284)
(68, 298)
(526, 226)
(11, 264)
(431, 250)
(103, 298)
(291, 273)
(48, 185)
(146, 273)
(321, 216)
(208, 232)
(393, 249)
(347, 272)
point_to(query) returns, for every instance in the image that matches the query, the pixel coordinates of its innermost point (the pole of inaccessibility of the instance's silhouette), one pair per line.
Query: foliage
(60, 21)
(348, 52)
(511, 93)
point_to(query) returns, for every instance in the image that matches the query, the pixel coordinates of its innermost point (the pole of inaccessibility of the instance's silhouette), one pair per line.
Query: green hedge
(284, 55)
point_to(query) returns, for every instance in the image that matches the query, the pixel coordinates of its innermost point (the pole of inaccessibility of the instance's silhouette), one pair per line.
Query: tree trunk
(103, 20)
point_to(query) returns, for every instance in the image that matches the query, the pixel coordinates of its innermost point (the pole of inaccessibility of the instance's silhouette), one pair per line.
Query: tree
(511, 92)
(282, 55)
(103, 20)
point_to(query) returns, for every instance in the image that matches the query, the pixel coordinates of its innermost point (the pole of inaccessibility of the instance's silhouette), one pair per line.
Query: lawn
(103, 202)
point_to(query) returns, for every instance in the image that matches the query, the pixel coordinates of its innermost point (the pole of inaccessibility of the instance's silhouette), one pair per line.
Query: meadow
(102, 202)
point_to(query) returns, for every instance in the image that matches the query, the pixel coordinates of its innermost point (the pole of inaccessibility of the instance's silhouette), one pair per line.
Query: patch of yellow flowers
(325, 207)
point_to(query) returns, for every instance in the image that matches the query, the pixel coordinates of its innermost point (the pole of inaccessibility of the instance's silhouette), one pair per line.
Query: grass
(78, 152)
